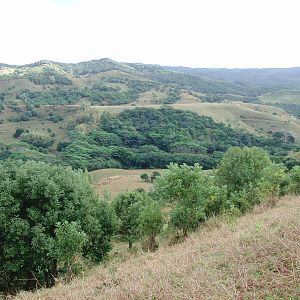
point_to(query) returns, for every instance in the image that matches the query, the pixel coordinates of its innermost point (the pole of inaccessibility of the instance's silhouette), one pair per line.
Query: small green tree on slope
(294, 180)
(241, 171)
(241, 168)
(127, 207)
(151, 222)
(183, 187)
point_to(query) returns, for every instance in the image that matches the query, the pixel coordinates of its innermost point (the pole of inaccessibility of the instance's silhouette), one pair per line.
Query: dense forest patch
(152, 138)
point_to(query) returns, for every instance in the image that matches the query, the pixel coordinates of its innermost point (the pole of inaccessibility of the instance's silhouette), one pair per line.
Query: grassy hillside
(116, 181)
(278, 87)
(45, 96)
(256, 256)
(105, 81)
(256, 118)
(161, 84)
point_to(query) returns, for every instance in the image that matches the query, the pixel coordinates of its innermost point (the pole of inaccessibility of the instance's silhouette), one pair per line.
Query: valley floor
(256, 256)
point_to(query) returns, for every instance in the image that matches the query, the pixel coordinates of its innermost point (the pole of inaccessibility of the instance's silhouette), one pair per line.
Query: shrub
(127, 207)
(241, 168)
(37, 139)
(150, 223)
(272, 182)
(145, 177)
(183, 187)
(294, 180)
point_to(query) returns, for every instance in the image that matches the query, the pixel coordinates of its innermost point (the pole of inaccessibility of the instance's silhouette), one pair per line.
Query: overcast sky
(196, 33)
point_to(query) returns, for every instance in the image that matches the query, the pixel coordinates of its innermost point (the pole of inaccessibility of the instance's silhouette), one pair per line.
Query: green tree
(69, 243)
(127, 207)
(37, 139)
(151, 222)
(145, 177)
(241, 168)
(39, 204)
(183, 187)
(154, 175)
(294, 180)
(272, 181)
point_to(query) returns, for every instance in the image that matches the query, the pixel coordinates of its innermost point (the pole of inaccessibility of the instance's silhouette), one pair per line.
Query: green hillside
(89, 137)
(105, 81)
(252, 257)
(47, 102)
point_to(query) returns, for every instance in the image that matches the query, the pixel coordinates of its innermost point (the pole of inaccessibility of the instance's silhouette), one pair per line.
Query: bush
(272, 182)
(145, 177)
(183, 187)
(294, 181)
(150, 223)
(241, 168)
(37, 139)
(48, 216)
(19, 132)
(127, 207)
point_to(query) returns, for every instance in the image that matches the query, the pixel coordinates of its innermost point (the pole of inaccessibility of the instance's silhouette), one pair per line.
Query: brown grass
(117, 181)
(254, 257)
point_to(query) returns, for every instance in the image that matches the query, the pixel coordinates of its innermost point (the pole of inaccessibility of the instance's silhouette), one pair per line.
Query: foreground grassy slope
(254, 257)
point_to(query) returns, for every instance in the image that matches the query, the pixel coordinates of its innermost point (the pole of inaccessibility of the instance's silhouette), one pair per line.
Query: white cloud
(203, 33)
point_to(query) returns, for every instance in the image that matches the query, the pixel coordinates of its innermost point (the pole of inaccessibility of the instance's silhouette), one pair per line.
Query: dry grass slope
(117, 181)
(254, 257)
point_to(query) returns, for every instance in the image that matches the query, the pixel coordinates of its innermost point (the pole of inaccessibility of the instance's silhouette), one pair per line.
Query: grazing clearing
(115, 181)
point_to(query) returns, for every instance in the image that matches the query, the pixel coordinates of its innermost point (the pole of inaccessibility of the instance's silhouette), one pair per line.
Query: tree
(37, 139)
(241, 168)
(127, 207)
(69, 243)
(145, 177)
(19, 132)
(183, 187)
(272, 181)
(154, 175)
(151, 222)
(48, 214)
(294, 180)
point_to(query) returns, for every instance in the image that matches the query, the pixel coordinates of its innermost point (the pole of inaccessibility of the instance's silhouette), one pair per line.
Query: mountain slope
(50, 79)
(254, 257)
(86, 80)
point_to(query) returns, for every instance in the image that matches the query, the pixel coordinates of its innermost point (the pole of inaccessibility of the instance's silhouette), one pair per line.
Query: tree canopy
(48, 215)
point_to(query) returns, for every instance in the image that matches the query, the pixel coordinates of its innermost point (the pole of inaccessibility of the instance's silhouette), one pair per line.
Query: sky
(194, 33)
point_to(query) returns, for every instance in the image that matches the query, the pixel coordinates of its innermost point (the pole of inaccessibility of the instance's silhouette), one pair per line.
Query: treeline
(52, 225)
(98, 94)
(152, 138)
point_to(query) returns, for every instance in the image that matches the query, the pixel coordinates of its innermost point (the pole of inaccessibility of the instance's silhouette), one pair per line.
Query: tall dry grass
(254, 257)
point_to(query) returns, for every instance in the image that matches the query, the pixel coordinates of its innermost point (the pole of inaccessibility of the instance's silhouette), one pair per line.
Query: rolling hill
(47, 97)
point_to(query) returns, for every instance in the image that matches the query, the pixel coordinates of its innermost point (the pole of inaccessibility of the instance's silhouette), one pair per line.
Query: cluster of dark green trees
(152, 138)
(98, 94)
(52, 223)
(49, 76)
(50, 219)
